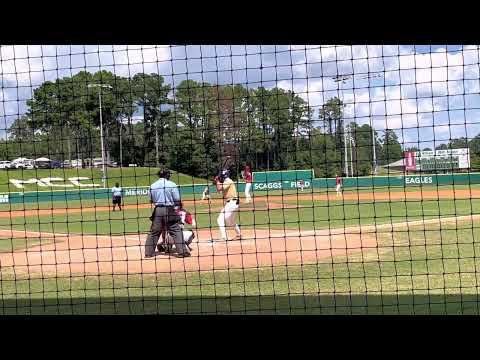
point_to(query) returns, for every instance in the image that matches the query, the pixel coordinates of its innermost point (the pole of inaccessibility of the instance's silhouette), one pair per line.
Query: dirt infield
(71, 254)
(93, 255)
(272, 201)
(86, 254)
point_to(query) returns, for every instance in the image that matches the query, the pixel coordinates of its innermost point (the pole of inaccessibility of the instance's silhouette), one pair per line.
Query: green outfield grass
(145, 176)
(306, 215)
(140, 176)
(14, 244)
(415, 270)
(73, 204)
(275, 195)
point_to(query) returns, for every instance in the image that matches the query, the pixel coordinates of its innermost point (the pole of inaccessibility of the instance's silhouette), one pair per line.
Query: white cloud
(389, 50)
(415, 85)
(25, 64)
(407, 61)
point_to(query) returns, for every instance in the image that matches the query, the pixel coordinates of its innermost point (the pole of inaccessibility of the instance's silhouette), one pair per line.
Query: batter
(227, 216)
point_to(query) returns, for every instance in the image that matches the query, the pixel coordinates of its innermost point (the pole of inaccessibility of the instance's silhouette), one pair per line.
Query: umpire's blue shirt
(164, 192)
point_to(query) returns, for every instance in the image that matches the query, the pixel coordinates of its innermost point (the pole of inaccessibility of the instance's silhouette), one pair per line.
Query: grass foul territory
(167, 179)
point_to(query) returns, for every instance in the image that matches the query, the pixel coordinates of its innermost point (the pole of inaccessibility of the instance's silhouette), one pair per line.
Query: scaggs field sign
(278, 185)
(268, 186)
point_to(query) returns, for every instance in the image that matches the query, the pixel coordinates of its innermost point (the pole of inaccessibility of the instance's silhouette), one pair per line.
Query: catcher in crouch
(186, 218)
(226, 186)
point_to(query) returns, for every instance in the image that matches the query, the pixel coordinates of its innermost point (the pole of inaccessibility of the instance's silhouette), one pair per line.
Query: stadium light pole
(374, 143)
(104, 171)
(341, 79)
(374, 150)
(352, 144)
(345, 147)
(121, 149)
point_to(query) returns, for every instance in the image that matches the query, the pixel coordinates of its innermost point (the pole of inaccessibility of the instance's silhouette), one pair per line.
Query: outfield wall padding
(270, 185)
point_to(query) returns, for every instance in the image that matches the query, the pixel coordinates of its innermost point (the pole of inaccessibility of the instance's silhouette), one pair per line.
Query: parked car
(23, 163)
(54, 164)
(72, 164)
(77, 163)
(5, 164)
(42, 163)
(97, 162)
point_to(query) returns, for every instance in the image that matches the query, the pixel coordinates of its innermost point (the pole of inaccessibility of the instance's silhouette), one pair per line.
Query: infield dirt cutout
(98, 254)
(89, 254)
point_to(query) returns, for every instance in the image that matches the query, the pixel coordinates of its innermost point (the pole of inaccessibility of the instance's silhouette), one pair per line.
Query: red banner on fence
(410, 160)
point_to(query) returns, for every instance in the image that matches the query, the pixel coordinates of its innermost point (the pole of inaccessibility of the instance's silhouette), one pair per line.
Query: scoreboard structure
(437, 160)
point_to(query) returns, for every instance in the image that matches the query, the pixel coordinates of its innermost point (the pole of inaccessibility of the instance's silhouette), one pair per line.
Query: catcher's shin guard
(188, 237)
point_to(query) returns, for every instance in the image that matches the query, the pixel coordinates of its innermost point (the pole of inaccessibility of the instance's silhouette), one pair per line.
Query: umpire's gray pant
(165, 218)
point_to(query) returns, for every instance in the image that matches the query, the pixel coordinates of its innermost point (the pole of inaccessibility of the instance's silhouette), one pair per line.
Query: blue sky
(427, 94)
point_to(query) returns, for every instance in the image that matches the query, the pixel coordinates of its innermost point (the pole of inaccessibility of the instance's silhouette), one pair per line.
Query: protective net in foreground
(239, 179)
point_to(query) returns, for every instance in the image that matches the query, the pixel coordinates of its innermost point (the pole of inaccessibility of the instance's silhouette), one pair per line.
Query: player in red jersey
(247, 176)
(339, 184)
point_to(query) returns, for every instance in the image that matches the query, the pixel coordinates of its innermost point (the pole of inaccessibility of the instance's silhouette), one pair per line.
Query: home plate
(214, 241)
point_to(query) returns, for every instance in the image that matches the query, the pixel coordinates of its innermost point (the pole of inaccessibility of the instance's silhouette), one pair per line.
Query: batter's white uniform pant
(227, 217)
(338, 188)
(248, 189)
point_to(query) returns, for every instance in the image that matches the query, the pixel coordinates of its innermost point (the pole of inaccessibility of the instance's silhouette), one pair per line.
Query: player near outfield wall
(247, 176)
(338, 185)
(117, 194)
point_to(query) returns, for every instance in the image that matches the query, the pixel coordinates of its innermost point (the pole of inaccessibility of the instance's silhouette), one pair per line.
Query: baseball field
(369, 251)
(363, 163)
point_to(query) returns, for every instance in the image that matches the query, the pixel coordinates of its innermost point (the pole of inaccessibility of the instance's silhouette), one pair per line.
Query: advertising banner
(410, 160)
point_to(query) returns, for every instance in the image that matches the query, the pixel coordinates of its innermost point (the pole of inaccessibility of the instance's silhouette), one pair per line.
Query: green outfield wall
(271, 181)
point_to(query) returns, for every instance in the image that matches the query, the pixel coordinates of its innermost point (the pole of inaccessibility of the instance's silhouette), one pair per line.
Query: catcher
(186, 218)
(226, 186)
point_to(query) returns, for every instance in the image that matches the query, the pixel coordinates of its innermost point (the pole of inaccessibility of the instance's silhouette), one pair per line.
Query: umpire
(164, 194)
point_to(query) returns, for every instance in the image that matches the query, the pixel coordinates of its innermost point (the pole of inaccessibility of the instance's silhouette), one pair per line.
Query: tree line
(186, 127)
